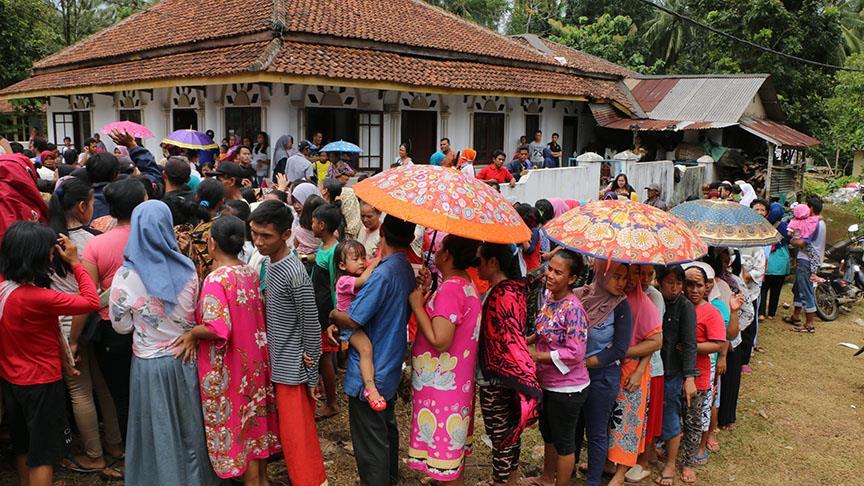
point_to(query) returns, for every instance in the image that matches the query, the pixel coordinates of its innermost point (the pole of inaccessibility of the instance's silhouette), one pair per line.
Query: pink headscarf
(596, 300)
(559, 207)
(803, 222)
(646, 318)
(571, 203)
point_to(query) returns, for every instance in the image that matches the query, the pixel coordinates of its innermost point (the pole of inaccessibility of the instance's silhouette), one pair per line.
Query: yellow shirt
(321, 169)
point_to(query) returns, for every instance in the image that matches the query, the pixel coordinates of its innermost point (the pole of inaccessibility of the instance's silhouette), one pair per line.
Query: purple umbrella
(190, 139)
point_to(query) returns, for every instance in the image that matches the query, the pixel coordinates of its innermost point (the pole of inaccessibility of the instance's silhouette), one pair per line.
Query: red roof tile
(202, 64)
(401, 22)
(580, 60)
(360, 64)
(169, 23)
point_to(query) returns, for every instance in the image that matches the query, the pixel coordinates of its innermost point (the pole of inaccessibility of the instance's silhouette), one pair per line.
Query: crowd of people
(200, 320)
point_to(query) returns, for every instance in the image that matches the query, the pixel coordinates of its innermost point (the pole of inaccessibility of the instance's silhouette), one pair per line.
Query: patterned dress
(443, 412)
(236, 393)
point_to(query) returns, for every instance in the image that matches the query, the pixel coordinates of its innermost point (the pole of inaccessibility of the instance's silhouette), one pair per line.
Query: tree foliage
(488, 13)
(29, 35)
(615, 39)
(845, 109)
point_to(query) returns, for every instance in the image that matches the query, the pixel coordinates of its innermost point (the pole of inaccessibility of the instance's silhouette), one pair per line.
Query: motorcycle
(842, 277)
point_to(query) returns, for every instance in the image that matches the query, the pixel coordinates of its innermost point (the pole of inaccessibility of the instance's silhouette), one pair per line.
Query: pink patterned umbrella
(132, 128)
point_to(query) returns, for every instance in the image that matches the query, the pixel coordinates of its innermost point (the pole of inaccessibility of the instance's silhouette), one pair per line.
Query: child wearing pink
(804, 225)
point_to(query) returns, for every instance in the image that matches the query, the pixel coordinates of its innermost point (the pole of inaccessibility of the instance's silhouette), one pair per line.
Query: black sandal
(790, 320)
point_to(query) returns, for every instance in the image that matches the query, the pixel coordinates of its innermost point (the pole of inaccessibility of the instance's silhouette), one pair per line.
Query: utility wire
(747, 42)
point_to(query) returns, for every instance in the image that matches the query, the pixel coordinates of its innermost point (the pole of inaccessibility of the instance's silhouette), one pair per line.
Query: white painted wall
(580, 183)
(283, 116)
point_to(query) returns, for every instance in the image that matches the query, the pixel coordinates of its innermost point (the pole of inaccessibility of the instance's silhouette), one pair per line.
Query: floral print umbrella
(446, 200)
(627, 232)
(727, 224)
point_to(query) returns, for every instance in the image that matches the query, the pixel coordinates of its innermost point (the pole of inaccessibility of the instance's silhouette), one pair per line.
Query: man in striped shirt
(294, 342)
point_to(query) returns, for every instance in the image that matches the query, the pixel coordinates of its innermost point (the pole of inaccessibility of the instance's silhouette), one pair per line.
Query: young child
(803, 225)
(354, 271)
(325, 222)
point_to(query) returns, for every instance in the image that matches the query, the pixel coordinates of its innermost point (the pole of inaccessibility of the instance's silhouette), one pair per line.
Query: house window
(64, 126)
(131, 115)
(488, 135)
(244, 121)
(370, 125)
(75, 125)
(184, 119)
(532, 124)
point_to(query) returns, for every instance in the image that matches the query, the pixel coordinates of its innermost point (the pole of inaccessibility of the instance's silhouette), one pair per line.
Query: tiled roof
(214, 62)
(169, 23)
(401, 22)
(578, 59)
(360, 64)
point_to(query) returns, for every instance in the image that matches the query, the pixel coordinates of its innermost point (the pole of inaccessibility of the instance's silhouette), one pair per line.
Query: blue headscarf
(775, 213)
(153, 254)
(437, 158)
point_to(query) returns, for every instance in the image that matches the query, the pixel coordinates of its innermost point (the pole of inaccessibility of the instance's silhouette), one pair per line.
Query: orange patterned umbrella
(445, 200)
(627, 232)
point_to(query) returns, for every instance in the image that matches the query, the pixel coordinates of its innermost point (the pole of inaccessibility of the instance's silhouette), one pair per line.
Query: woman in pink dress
(443, 359)
(233, 364)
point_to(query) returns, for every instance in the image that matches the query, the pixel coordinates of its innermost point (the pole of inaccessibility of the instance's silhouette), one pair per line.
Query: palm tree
(666, 34)
(851, 27)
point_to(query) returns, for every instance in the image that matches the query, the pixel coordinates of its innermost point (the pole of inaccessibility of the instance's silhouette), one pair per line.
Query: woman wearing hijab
(609, 334)
(153, 297)
(777, 268)
(627, 438)
(748, 194)
(283, 149)
(559, 206)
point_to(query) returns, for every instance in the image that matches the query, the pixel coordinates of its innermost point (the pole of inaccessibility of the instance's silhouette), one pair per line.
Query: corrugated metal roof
(713, 99)
(778, 134)
(650, 92)
(608, 117)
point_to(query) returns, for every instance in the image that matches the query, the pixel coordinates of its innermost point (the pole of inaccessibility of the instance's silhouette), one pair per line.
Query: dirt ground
(799, 419)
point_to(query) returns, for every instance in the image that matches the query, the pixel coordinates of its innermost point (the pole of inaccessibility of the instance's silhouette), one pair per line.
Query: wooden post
(768, 172)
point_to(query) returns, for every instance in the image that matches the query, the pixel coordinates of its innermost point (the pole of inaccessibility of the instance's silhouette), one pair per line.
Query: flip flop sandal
(73, 465)
(713, 446)
(804, 330)
(664, 480)
(701, 459)
(693, 481)
(789, 320)
(636, 475)
(113, 468)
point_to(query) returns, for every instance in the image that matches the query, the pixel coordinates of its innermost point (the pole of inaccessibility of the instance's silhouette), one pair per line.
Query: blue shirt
(381, 309)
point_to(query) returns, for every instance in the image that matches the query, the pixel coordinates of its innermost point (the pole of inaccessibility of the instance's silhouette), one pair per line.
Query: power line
(749, 43)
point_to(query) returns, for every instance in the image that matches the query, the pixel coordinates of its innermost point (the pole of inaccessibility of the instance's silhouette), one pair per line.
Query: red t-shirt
(30, 352)
(709, 327)
(500, 174)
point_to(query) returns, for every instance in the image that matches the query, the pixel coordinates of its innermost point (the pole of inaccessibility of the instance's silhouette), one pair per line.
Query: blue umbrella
(726, 224)
(342, 146)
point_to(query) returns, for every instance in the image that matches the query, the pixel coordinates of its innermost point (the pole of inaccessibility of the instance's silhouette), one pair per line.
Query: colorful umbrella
(132, 128)
(342, 146)
(726, 224)
(627, 232)
(190, 139)
(445, 200)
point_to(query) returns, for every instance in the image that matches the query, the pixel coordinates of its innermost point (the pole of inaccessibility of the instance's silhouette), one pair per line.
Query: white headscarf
(748, 194)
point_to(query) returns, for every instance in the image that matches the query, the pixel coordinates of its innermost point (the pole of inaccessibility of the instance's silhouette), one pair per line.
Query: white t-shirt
(468, 169)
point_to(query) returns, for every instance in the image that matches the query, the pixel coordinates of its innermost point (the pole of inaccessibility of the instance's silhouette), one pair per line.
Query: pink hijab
(571, 203)
(559, 207)
(646, 318)
(598, 302)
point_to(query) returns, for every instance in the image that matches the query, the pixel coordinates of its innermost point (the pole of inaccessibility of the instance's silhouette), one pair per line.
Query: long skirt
(627, 427)
(165, 441)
